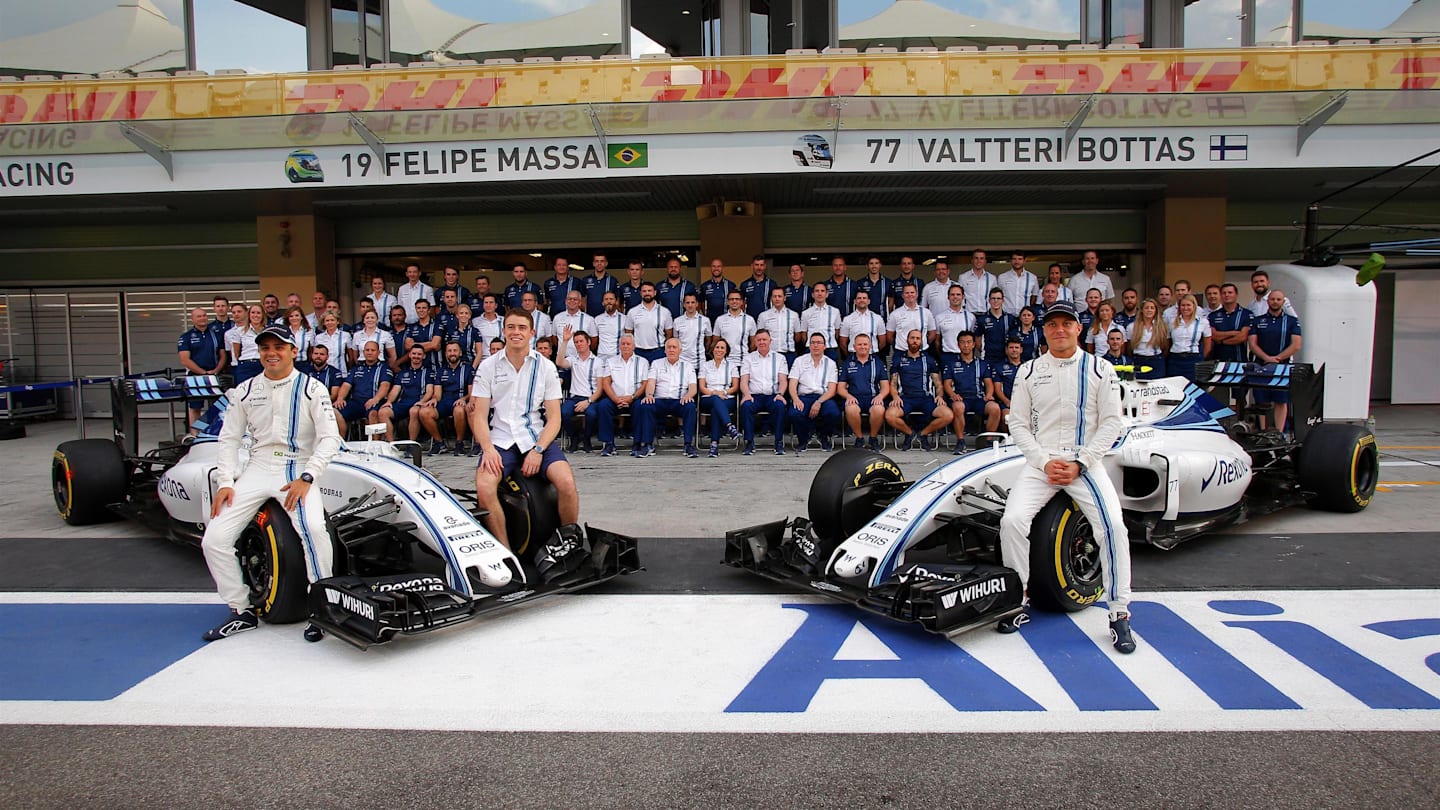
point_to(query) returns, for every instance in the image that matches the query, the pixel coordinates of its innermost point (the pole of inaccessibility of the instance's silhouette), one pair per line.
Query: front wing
(365, 611)
(941, 598)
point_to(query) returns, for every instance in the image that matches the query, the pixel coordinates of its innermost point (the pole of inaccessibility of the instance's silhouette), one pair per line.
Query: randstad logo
(629, 156)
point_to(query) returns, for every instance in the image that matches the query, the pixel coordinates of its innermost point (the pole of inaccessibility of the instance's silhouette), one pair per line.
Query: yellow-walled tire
(532, 511)
(846, 470)
(1065, 564)
(86, 476)
(272, 560)
(1339, 465)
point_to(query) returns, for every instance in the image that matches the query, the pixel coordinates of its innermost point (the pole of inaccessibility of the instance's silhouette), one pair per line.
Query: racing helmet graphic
(812, 151)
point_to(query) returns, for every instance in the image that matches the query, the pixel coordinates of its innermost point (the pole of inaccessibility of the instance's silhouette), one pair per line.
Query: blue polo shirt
(862, 380)
(798, 298)
(1230, 322)
(203, 345)
(454, 380)
(1273, 332)
(757, 295)
(629, 296)
(413, 381)
(365, 380)
(1003, 375)
(422, 334)
(842, 295)
(713, 295)
(968, 377)
(595, 289)
(914, 374)
(556, 291)
(995, 331)
(516, 291)
(880, 291)
(897, 290)
(1030, 342)
(328, 375)
(672, 296)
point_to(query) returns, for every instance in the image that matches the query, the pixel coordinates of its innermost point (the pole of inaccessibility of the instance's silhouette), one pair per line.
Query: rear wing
(128, 394)
(1305, 382)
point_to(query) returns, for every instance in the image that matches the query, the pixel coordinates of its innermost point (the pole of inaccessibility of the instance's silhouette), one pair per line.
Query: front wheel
(1340, 464)
(1065, 565)
(532, 510)
(273, 563)
(86, 476)
(842, 472)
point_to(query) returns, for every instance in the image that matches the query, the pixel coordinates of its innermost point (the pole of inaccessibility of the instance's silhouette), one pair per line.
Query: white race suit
(292, 425)
(1068, 409)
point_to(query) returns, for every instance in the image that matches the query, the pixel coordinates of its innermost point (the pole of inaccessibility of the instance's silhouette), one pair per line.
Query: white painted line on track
(678, 663)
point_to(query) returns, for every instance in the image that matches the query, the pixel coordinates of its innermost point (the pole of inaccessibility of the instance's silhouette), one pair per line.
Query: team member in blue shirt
(864, 388)
(317, 365)
(1275, 338)
(672, 289)
(599, 283)
(915, 378)
(453, 379)
(1028, 334)
(427, 333)
(224, 322)
(452, 284)
(365, 389)
(558, 286)
(756, 289)
(1115, 352)
(201, 352)
(881, 289)
(715, 292)
(995, 326)
(415, 388)
(1229, 326)
(969, 389)
(515, 293)
(628, 294)
(842, 287)
(1002, 376)
(797, 292)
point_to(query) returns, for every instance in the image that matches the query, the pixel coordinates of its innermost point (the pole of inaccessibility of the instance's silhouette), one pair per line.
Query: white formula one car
(1186, 464)
(411, 554)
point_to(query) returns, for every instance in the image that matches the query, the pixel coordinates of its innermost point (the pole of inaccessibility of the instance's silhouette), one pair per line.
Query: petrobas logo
(1226, 471)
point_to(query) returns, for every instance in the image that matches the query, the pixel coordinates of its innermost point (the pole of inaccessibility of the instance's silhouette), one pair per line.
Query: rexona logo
(970, 593)
(629, 155)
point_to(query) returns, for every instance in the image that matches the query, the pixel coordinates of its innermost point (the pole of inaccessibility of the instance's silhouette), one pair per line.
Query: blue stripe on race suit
(459, 581)
(1105, 521)
(1080, 403)
(290, 438)
(886, 566)
(530, 399)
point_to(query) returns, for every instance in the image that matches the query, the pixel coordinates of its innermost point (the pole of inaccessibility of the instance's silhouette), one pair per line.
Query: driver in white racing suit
(1064, 416)
(289, 417)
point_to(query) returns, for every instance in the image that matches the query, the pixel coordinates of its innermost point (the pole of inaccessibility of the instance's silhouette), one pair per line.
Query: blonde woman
(241, 340)
(1149, 341)
(1189, 338)
(335, 340)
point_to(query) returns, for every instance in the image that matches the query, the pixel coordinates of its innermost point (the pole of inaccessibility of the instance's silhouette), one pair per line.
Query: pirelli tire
(86, 476)
(1340, 464)
(844, 471)
(532, 511)
(1066, 573)
(272, 560)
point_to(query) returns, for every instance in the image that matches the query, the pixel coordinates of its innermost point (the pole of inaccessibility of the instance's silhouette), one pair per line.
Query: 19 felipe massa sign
(703, 154)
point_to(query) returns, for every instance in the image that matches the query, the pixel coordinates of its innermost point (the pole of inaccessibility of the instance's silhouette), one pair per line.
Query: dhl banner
(986, 73)
(1216, 146)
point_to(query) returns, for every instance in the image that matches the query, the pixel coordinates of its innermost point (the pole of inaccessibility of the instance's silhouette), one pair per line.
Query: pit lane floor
(1391, 550)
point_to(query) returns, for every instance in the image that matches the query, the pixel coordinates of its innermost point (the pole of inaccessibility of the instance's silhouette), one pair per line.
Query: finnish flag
(1228, 147)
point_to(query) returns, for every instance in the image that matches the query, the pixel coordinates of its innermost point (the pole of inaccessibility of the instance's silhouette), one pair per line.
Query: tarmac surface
(681, 507)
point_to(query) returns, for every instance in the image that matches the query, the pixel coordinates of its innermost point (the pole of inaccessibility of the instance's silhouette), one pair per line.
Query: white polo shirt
(517, 397)
(1188, 338)
(650, 324)
(783, 323)
(489, 330)
(579, 322)
(626, 377)
(380, 337)
(671, 379)
(813, 377)
(608, 331)
(1018, 289)
(585, 375)
(246, 338)
(936, 295)
(905, 319)
(951, 323)
(1081, 284)
(977, 289)
(408, 294)
(868, 322)
(692, 333)
(825, 320)
(737, 331)
(764, 372)
(717, 376)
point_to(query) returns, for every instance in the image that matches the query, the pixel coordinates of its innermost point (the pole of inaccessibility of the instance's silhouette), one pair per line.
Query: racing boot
(1120, 634)
(238, 622)
(1011, 624)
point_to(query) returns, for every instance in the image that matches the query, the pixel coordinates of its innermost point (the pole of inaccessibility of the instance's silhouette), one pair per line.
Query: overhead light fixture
(537, 255)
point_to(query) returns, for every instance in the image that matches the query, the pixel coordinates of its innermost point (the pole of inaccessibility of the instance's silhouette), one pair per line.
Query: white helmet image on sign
(812, 151)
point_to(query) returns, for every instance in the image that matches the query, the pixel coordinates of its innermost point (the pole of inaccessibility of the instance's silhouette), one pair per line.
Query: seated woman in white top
(719, 380)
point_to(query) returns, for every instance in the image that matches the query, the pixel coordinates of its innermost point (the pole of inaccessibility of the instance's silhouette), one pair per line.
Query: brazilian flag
(629, 155)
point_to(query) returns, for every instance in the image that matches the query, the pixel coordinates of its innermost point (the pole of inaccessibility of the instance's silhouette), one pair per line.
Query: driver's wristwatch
(307, 478)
